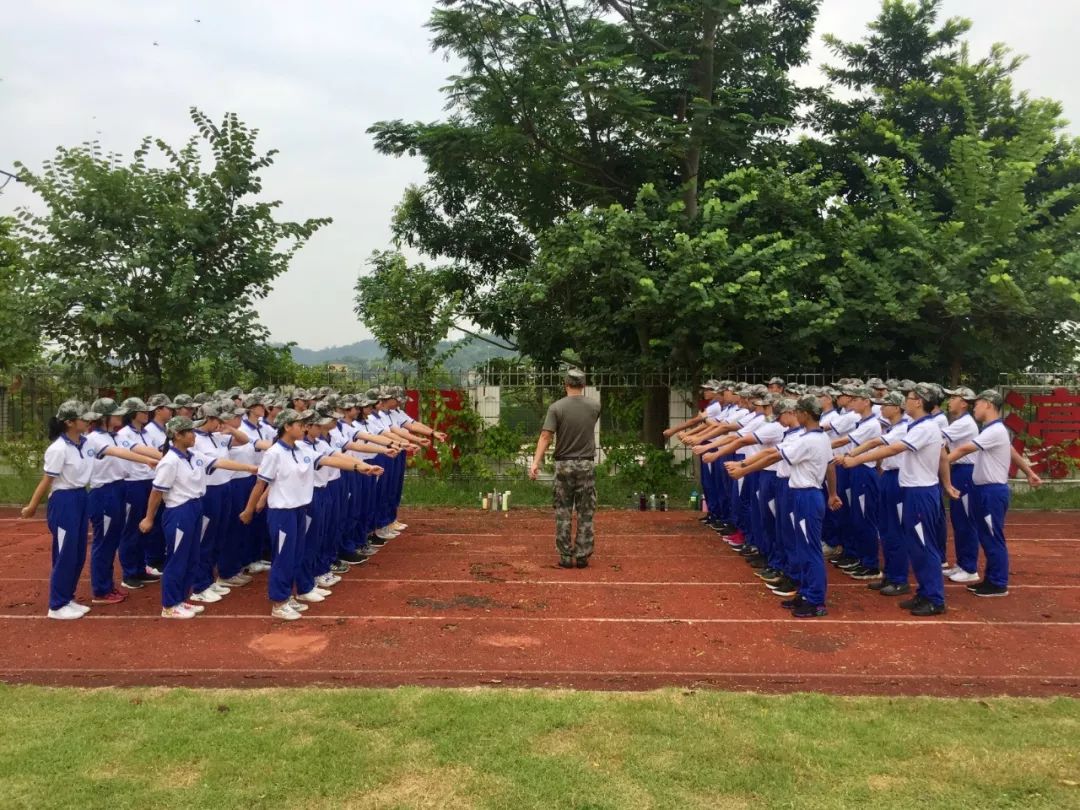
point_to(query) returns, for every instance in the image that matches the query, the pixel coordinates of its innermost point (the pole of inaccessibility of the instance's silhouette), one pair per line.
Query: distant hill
(368, 352)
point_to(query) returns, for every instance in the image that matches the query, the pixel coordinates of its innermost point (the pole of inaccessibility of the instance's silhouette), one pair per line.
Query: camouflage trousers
(574, 489)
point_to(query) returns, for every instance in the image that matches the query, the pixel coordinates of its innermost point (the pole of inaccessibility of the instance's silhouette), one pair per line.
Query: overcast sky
(312, 78)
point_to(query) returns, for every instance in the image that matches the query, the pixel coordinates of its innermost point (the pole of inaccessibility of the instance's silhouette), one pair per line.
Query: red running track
(466, 598)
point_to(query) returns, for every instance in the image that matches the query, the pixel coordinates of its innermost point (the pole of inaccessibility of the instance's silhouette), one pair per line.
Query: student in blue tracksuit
(162, 409)
(921, 468)
(68, 470)
(180, 482)
(287, 476)
(861, 531)
(993, 453)
(106, 499)
(960, 431)
(137, 549)
(809, 456)
(710, 392)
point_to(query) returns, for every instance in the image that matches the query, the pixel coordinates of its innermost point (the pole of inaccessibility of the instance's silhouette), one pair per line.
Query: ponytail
(165, 447)
(56, 428)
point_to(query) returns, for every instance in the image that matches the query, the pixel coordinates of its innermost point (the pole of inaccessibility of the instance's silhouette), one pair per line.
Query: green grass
(1048, 496)
(411, 747)
(16, 489)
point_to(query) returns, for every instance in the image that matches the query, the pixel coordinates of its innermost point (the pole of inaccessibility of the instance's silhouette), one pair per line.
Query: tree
(20, 335)
(961, 252)
(150, 267)
(406, 308)
(566, 106)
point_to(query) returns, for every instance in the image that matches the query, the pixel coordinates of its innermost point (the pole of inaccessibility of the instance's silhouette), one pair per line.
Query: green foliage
(20, 333)
(22, 457)
(154, 270)
(641, 466)
(406, 308)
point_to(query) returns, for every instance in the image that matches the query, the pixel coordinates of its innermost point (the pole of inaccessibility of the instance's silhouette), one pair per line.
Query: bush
(642, 466)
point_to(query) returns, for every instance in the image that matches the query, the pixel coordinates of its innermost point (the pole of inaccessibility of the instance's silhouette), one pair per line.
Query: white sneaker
(153, 572)
(219, 589)
(398, 526)
(323, 592)
(83, 609)
(285, 612)
(386, 533)
(960, 575)
(311, 596)
(238, 581)
(945, 567)
(177, 612)
(299, 607)
(66, 613)
(258, 567)
(327, 580)
(193, 608)
(207, 596)
(948, 572)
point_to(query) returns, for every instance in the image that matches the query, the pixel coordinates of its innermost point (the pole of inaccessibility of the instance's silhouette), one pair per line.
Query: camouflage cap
(828, 391)
(743, 391)
(710, 385)
(809, 405)
(775, 381)
(234, 392)
(906, 385)
(858, 391)
(331, 400)
(135, 405)
(371, 394)
(178, 424)
(928, 393)
(208, 410)
(938, 391)
(107, 407)
(287, 417)
(183, 401)
(252, 400)
(271, 403)
(728, 385)
(993, 397)
(784, 405)
(894, 398)
(258, 390)
(892, 383)
(300, 393)
(347, 402)
(73, 409)
(230, 409)
(855, 381)
(218, 394)
(315, 416)
(876, 382)
(160, 401)
(962, 391)
(797, 388)
(200, 398)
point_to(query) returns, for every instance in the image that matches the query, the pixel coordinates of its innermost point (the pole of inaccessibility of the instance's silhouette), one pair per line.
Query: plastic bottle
(652, 502)
(694, 500)
(506, 501)
(663, 502)
(484, 501)
(643, 502)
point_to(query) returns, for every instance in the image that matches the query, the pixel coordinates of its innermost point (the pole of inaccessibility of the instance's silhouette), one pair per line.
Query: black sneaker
(894, 589)
(791, 604)
(725, 528)
(863, 572)
(913, 602)
(878, 584)
(582, 562)
(377, 542)
(566, 562)
(785, 587)
(353, 558)
(339, 567)
(706, 519)
(808, 611)
(843, 560)
(985, 588)
(758, 561)
(927, 608)
(133, 583)
(747, 550)
(770, 575)
(849, 566)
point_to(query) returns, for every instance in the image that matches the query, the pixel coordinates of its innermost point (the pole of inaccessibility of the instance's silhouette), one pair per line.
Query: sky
(312, 78)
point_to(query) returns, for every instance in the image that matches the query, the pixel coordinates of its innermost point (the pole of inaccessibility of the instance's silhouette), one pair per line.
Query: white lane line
(493, 673)
(573, 620)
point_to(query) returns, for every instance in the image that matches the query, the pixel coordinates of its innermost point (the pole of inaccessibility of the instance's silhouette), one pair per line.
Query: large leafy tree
(20, 335)
(961, 254)
(153, 267)
(406, 308)
(567, 105)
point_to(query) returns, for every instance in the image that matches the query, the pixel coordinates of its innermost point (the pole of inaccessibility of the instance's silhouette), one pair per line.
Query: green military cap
(711, 385)
(208, 410)
(135, 405)
(892, 383)
(287, 417)
(183, 401)
(993, 397)
(107, 407)
(200, 398)
(74, 409)
(876, 382)
(810, 405)
(234, 392)
(258, 390)
(178, 424)
(347, 402)
(892, 398)
(251, 401)
(784, 405)
(218, 394)
(776, 381)
(858, 391)
(160, 401)
(962, 391)
(230, 409)
(906, 385)
(928, 393)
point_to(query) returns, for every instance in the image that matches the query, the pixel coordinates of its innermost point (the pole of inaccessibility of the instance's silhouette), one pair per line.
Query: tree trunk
(702, 88)
(654, 419)
(955, 370)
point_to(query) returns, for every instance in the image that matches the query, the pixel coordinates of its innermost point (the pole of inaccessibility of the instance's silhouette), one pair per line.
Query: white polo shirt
(750, 422)
(841, 425)
(247, 453)
(324, 474)
(941, 419)
(994, 456)
(809, 457)
(892, 434)
(715, 411)
(769, 435)
(155, 435)
(107, 469)
(866, 430)
(399, 418)
(181, 477)
(290, 473)
(919, 465)
(130, 438)
(68, 464)
(791, 435)
(961, 431)
(212, 445)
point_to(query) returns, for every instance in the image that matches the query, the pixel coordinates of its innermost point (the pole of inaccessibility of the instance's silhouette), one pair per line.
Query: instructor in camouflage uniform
(572, 422)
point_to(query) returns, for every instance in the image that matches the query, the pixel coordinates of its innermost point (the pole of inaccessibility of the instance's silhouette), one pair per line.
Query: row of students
(894, 454)
(200, 462)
